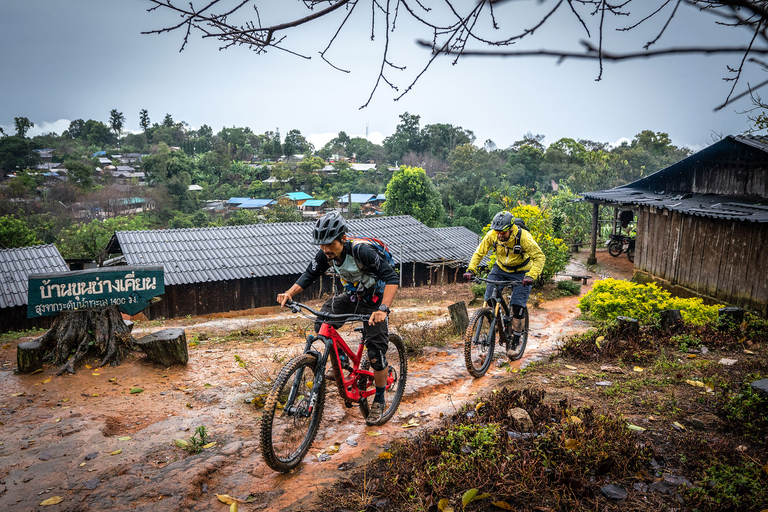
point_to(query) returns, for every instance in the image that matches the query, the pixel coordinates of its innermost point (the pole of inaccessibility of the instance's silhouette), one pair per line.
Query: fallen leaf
(468, 497)
(571, 444)
(88, 366)
(479, 405)
(635, 427)
(117, 452)
(233, 507)
(696, 383)
(637, 369)
(125, 438)
(503, 505)
(96, 374)
(225, 498)
(181, 443)
(39, 370)
(95, 394)
(136, 390)
(600, 338)
(576, 420)
(678, 426)
(209, 445)
(385, 455)
(748, 352)
(54, 500)
(46, 381)
(81, 464)
(571, 367)
(374, 434)
(18, 394)
(412, 423)
(57, 420)
(112, 380)
(444, 506)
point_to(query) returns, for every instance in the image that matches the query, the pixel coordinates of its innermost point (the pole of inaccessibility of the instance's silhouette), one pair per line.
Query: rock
(91, 455)
(728, 362)
(761, 386)
(604, 383)
(91, 484)
(520, 419)
(614, 492)
(697, 423)
(669, 484)
(232, 448)
(45, 456)
(611, 369)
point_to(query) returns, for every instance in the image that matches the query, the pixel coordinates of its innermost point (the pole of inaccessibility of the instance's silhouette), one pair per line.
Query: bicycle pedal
(348, 404)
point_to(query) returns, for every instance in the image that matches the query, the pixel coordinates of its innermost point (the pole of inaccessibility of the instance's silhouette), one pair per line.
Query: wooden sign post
(88, 304)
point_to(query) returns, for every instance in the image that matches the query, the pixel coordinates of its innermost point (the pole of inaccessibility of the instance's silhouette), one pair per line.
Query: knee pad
(518, 311)
(377, 358)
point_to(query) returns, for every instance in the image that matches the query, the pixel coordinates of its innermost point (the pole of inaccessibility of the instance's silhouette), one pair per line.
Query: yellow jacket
(505, 258)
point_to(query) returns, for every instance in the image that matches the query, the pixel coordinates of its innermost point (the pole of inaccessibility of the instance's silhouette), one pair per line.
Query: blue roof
(357, 198)
(381, 197)
(237, 200)
(99, 153)
(256, 203)
(314, 202)
(297, 196)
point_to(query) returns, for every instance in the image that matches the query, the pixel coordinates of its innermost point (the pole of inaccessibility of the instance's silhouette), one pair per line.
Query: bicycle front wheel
(517, 351)
(288, 426)
(397, 366)
(479, 342)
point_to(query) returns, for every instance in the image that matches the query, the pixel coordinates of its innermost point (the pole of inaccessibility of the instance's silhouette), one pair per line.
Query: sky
(79, 59)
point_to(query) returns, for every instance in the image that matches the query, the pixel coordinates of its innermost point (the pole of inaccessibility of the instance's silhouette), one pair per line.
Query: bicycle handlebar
(296, 307)
(497, 283)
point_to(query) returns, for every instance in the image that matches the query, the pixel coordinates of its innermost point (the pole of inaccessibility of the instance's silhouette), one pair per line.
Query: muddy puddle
(89, 440)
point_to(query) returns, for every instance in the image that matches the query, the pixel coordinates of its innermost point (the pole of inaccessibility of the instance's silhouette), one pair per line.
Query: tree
(81, 174)
(76, 129)
(407, 138)
(144, 119)
(168, 121)
(116, 122)
(296, 144)
(88, 240)
(411, 192)
(22, 126)
(455, 30)
(15, 233)
(17, 152)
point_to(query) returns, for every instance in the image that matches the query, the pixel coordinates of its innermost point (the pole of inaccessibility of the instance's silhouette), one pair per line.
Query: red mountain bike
(294, 406)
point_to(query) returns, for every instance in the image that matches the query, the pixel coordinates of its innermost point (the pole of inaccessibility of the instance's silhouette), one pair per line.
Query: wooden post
(628, 325)
(459, 316)
(592, 259)
(29, 356)
(670, 319)
(166, 347)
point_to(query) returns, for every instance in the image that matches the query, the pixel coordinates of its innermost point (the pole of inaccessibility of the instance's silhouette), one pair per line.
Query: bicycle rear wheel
(288, 428)
(479, 342)
(519, 349)
(398, 369)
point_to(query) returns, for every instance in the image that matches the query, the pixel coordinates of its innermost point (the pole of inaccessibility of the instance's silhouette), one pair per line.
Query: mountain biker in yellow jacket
(518, 258)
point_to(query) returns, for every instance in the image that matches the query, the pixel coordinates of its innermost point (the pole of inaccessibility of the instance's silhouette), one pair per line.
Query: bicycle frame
(334, 346)
(498, 297)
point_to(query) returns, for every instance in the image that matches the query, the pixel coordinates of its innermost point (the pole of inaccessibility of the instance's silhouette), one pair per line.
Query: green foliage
(197, 440)
(747, 410)
(17, 152)
(88, 240)
(741, 486)
(610, 298)
(411, 192)
(15, 233)
(572, 287)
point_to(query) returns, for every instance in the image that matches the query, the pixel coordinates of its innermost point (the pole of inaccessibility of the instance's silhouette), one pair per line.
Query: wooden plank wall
(716, 258)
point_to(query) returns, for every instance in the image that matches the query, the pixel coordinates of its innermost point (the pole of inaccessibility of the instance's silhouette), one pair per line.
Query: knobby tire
(398, 363)
(285, 438)
(479, 342)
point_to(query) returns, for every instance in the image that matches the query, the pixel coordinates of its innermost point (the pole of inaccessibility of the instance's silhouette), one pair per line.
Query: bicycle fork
(290, 408)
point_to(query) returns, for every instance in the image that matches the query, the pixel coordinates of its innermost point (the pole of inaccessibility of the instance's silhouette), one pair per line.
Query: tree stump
(628, 325)
(459, 316)
(166, 347)
(731, 314)
(671, 319)
(29, 356)
(99, 331)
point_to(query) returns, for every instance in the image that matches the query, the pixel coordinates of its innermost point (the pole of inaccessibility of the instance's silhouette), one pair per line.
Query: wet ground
(89, 440)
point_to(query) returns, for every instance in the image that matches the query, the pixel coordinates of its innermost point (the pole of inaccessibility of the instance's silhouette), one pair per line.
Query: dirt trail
(89, 440)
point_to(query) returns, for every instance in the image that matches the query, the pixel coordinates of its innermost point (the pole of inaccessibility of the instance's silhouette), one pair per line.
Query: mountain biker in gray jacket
(375, 281)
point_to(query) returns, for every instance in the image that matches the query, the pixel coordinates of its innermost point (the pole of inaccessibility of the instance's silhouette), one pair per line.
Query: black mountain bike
(480, 338)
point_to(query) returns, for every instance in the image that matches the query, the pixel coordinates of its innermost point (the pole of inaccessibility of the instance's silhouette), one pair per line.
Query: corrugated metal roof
(17, 264)
(262, 250)
(357, 198)
(703, 205)
(645, 191)
(314, 202)
(297, 196)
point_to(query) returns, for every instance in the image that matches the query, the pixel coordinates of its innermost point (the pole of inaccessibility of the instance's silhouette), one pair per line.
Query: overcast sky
(64, 60)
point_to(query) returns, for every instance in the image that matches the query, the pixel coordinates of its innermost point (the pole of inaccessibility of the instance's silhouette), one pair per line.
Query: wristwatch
(384, 308)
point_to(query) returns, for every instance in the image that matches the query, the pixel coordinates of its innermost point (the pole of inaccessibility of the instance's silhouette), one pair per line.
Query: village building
(702, 226)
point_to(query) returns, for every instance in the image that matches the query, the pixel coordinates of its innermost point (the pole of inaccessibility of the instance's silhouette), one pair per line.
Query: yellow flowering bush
(610, 298)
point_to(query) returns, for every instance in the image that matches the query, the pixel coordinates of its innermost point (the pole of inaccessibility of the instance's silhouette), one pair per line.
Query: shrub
(572, 287)
(610, 298)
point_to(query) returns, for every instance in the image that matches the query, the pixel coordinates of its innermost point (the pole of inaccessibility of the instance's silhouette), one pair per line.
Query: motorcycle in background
(618, 244)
